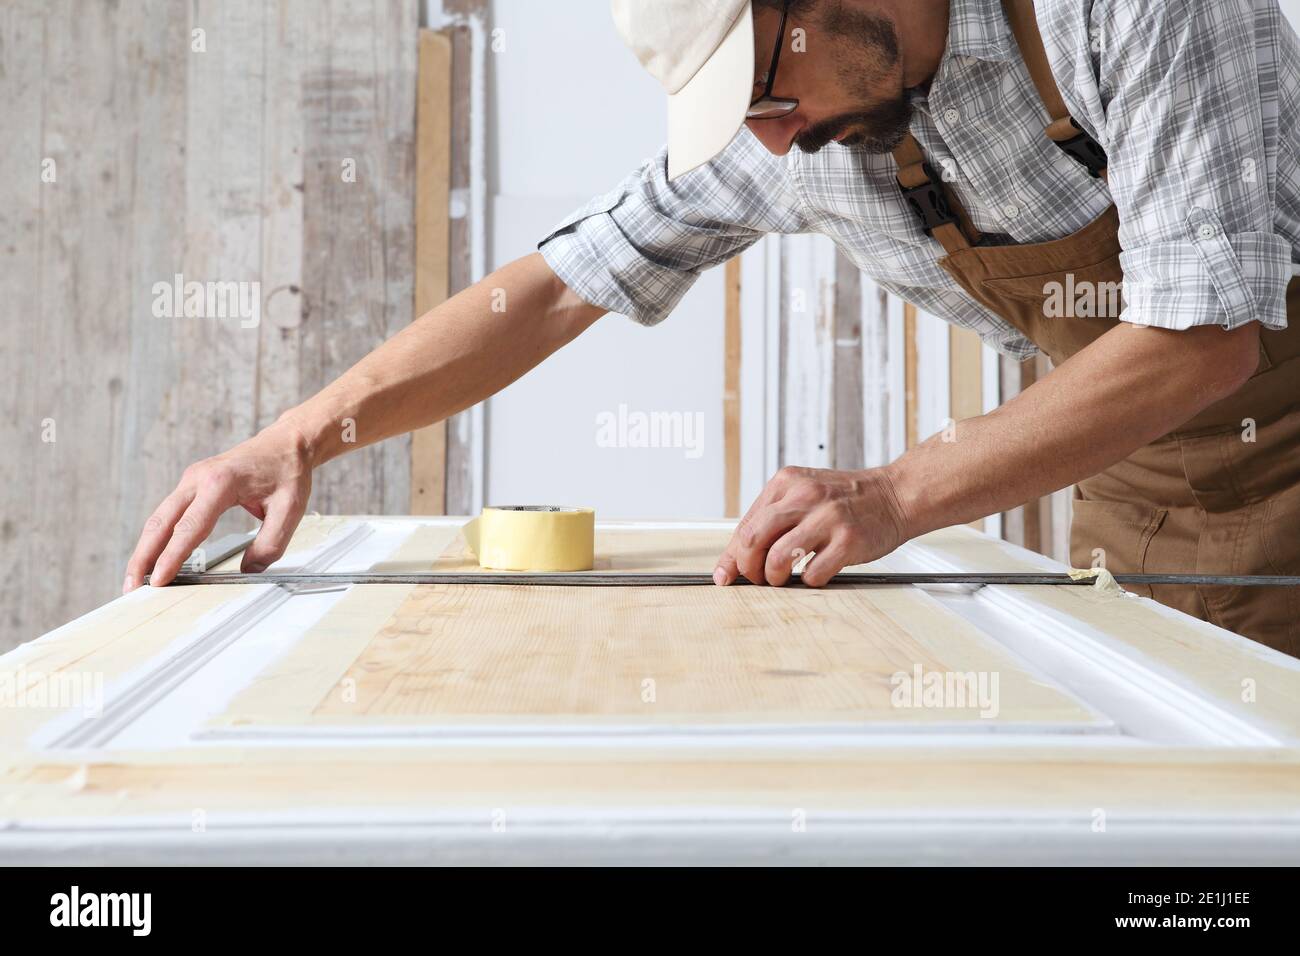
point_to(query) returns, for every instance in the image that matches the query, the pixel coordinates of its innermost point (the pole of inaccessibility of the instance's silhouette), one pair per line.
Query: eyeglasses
(767, 106)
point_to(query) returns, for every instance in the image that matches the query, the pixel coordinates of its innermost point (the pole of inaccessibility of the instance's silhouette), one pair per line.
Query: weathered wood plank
(731, 408)
(80, 350)
(910, 375)
(878, 397)
(183, 153)
(965, 374)
(279, 383)
(464, 430)
(848, 398)
(359, 111)
(965, 381)
(807, 359)
(432, 246)
(1016, 522)
(26, 400)
(209, 384)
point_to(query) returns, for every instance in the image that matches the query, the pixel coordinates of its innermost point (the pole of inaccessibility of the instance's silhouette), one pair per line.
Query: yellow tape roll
(533, 538)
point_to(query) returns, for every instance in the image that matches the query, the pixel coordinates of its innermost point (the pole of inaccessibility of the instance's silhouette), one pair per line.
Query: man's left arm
(1126, 389)
(1177, 105)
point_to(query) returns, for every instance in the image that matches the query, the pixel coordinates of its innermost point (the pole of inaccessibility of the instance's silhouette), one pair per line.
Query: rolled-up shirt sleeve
(1193, 159)
(637, 249)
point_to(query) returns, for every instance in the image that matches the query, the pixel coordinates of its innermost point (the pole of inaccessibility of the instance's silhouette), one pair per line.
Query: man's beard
(881, 127)
(877, 130)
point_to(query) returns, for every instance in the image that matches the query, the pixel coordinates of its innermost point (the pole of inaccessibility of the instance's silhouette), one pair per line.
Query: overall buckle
(1086, 151)
(928, 202)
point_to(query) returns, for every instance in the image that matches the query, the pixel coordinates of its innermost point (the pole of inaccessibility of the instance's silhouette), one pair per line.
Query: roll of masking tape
(533, 538)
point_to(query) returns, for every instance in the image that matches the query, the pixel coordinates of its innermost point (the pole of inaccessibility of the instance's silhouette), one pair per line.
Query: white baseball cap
(702, 53)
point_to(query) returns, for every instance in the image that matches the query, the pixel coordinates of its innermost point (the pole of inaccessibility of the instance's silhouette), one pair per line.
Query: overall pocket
(1067, 311)
(1119, 530)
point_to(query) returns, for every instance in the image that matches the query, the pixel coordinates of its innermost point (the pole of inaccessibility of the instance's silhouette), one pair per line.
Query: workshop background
(338, 167)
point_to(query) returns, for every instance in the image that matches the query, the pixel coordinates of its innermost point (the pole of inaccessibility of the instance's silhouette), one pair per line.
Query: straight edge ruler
(192, 573)
(685, 579)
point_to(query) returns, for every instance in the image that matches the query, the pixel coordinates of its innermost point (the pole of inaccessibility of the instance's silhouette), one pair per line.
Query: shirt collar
(979, 29)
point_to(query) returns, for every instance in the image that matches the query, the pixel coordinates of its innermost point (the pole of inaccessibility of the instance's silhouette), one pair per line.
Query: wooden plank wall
(223, 155)
(432, 246)
(465, 23)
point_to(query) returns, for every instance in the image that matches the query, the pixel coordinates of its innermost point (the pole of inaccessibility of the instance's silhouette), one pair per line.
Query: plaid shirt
(1194, 101)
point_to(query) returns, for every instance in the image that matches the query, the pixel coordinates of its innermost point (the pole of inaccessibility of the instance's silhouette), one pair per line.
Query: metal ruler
(233, 544)
(214, 552)
(619, 579)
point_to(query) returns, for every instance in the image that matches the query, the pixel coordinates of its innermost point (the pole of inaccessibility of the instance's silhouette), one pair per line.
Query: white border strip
(136, 699)
(1212, 722)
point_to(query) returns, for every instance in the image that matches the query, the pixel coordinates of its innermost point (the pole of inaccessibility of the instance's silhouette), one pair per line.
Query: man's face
(843, 66)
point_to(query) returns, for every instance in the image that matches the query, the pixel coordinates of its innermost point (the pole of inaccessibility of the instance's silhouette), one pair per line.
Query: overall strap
(938, 210)
(1063, 130)
(934, 204)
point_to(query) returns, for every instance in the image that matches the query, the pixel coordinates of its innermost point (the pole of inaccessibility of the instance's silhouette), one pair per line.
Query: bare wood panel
(731, 408)
(642, 655)
(1134, 781)
(432, 246)
(498, 640)
(618, 547)
(787, 656)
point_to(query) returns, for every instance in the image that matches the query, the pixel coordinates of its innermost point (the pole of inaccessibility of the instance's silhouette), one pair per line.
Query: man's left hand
(846, 517)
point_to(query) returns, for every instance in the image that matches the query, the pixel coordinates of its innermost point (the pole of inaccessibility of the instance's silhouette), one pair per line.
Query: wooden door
(501, 722)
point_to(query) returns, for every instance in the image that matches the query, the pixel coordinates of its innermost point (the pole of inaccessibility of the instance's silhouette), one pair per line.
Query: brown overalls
(1204, 499)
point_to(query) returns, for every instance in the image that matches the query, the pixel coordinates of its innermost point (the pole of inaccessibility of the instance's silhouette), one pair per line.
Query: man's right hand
(269, 476)
(453, 356)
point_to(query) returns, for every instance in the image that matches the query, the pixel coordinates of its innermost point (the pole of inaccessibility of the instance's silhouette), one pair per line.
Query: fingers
(788, 551)
(758, 538)
(726, 571)
(192, 530)
(282, 516)
(157, 532)
(826, 563)
(741, 550)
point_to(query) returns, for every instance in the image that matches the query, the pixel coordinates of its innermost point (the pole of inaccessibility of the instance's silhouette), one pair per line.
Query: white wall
(571, 114)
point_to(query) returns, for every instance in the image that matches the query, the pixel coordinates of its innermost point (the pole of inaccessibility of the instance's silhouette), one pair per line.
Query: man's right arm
(454, 356)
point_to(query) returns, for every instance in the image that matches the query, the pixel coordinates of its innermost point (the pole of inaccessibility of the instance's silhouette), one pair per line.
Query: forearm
(454, 356)
(1130, 387)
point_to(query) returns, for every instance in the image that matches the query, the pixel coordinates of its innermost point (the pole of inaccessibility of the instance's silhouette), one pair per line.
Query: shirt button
(1206, 231)
(1011, 210)
(950, 115)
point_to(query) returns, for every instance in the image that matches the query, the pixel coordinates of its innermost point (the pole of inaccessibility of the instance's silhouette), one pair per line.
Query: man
(972, 156)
